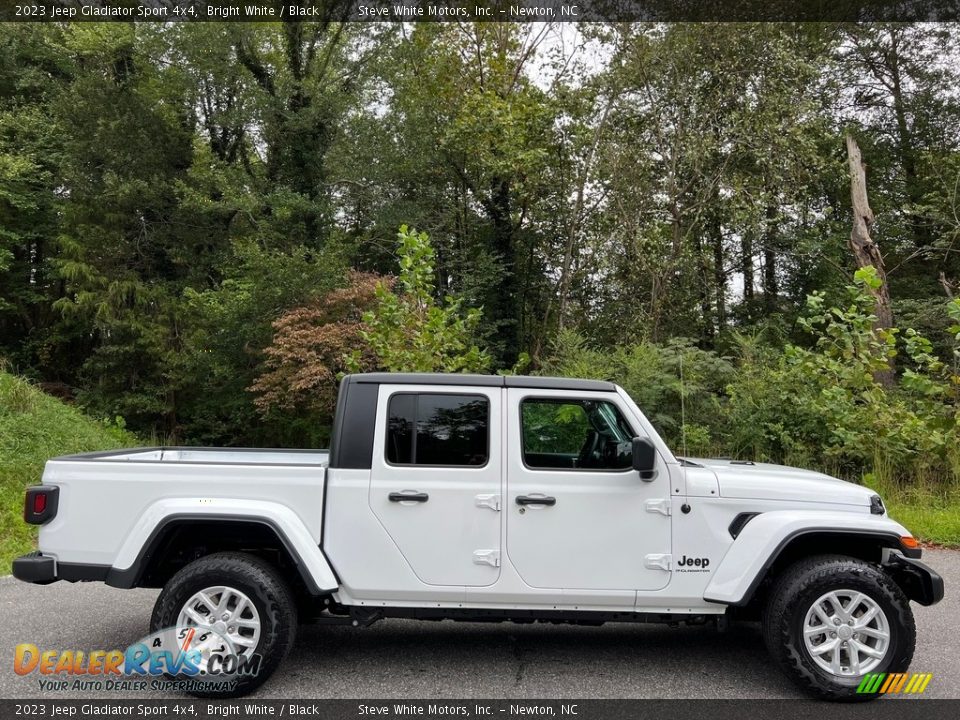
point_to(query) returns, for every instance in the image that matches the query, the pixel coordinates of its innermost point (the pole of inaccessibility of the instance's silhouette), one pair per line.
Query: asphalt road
(407, 659)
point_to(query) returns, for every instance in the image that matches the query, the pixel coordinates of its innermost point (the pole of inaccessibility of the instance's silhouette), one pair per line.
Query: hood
(765, 481)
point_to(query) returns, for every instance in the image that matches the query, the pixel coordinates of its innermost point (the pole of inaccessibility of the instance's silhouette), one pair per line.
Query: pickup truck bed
(103, 491)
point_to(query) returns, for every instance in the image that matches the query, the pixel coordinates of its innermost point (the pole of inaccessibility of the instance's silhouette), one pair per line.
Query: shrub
(651, 374)
(409, 331)
(822, 405)
(309, 347)
(818, 405)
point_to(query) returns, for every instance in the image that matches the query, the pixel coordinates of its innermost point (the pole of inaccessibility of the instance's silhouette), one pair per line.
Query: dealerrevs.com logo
(183, 659)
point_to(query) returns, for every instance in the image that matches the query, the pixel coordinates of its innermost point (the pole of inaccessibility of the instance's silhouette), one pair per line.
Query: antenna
(683, 410)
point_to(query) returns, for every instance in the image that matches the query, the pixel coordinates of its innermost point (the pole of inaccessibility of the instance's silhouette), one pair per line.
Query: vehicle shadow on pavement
(486, 660)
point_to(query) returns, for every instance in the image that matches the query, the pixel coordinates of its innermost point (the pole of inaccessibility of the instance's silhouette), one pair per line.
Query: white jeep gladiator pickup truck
(469, 497)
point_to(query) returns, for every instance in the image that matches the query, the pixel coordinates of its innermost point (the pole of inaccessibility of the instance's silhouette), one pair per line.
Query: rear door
(578, 516)
(436, 480)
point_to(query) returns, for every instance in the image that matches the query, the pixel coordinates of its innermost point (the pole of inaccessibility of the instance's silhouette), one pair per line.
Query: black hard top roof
(523, 381)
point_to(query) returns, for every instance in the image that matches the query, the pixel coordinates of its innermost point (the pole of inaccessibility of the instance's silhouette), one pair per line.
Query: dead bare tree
(865, 250)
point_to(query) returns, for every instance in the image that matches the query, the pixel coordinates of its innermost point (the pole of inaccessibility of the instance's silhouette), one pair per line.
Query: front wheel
(831, 620)
(236, 614)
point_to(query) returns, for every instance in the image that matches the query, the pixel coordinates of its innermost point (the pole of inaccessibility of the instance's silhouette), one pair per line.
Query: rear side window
(438, 429)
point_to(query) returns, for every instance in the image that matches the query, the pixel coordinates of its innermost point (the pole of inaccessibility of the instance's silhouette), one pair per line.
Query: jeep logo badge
(687, 562)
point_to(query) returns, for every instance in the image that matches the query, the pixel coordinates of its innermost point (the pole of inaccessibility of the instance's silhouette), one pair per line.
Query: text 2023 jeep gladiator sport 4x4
(472, 497)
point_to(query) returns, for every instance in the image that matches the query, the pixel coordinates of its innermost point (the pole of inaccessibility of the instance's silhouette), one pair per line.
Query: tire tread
(821, 571)
(249, 572)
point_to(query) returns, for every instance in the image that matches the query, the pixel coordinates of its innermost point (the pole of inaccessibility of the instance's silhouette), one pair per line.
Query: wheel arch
(863, 545)
(773, 541)
(180, 538)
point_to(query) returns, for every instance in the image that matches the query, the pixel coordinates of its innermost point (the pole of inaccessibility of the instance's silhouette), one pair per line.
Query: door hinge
(658, 561)
(658, 505)
(486, 557)
(491, 501)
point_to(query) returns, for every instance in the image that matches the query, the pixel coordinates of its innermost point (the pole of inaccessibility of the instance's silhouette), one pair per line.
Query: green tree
(464, 139)
(182, 209)
(715, 165)
(409, 331)
(34, 68)
(893, 80)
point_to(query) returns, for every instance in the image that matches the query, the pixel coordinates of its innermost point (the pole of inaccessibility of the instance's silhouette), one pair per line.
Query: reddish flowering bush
(309, 348)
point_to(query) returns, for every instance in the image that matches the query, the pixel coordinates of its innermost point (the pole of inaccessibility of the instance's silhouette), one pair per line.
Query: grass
(929, 507)
(35, 427)
(932, 518)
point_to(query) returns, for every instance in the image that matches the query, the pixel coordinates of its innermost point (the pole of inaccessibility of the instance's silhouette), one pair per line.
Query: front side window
(575, 434)
(438, 429)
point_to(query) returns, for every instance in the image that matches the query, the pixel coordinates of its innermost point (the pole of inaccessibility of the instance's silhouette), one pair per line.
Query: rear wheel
(240, 615)
(831, 620)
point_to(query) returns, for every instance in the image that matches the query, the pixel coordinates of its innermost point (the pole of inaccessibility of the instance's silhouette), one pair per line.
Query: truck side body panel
(513, 517)
(111, 503)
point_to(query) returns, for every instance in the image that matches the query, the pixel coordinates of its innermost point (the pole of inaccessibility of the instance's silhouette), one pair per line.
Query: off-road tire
(796, 591)
(256, 578)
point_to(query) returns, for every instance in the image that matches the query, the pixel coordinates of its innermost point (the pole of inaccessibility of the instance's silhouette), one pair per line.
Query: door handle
(531, 500)
(408, 497)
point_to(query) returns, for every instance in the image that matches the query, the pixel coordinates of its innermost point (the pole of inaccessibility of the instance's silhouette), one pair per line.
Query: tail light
(40, 504)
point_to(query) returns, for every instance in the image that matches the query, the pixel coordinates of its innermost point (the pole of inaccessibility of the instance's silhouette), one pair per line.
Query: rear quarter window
(438, 429)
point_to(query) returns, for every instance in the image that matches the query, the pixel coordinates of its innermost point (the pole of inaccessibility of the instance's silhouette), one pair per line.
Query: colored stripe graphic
(892, 683)
(891, 680)
(871, 682)
(914, 682)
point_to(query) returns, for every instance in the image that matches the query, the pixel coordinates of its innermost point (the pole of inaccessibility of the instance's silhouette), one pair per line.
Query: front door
(578, 515)
(435, 481)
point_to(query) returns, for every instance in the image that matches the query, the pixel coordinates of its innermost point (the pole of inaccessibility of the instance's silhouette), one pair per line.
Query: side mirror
(644, 458)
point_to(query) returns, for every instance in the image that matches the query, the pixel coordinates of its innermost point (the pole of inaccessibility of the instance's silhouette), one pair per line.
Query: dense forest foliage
(198, 223)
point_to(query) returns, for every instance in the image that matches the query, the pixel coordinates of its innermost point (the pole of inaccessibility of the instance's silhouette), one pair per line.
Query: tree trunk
(577, 218)
(703, 293)
(719, 275)
(770, 289)
(746, 267)
(502, 305)
(865, 250)
(905, 143)
(660, 282)
(948, 287)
